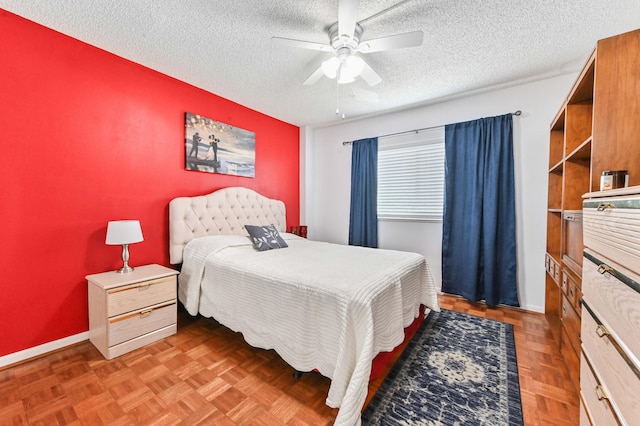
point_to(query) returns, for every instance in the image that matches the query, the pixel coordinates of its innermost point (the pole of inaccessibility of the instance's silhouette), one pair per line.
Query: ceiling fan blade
(370, 76)
(347, 16)
(397, 41)
(313, 78)
(289, 42)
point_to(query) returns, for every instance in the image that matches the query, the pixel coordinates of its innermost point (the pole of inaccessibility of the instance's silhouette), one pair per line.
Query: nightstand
(299, 230)
(128, 311)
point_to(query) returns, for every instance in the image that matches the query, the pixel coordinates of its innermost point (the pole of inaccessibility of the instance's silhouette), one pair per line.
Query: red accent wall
(89, 137)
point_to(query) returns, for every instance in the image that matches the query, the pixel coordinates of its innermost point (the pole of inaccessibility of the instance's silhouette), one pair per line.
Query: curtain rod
(517, 113)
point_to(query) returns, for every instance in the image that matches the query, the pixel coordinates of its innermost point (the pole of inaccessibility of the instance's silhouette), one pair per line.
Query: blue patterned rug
(457, 370)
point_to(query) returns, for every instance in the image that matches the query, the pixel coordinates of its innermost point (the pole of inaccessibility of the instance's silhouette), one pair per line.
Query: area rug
(458, 370)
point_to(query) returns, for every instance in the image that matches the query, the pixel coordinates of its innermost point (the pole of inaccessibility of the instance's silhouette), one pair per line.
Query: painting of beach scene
(215, 147)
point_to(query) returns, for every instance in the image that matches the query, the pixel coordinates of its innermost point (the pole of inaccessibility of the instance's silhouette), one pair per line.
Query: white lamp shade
(345, 75)
(123, 232)
(330, 67)
(345, 69)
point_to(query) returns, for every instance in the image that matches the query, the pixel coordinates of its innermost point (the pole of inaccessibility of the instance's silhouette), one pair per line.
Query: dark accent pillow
(265, 237)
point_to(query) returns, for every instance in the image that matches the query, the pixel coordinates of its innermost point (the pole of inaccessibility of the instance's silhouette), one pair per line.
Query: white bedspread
(318, 305)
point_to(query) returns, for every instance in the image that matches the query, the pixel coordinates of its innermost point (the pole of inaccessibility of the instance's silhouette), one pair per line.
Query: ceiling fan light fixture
(346, 75)
(330, 67)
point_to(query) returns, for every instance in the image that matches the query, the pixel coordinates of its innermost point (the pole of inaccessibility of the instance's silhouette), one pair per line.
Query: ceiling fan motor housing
(339, 41)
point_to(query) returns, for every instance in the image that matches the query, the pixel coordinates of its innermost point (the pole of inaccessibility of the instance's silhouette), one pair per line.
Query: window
(411, 176)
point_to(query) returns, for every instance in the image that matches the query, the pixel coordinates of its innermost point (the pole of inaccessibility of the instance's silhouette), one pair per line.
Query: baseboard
(533, 308)
(36, 351)
(526, 308)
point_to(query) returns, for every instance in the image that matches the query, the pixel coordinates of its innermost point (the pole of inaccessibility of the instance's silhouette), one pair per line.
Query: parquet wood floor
(206, 374)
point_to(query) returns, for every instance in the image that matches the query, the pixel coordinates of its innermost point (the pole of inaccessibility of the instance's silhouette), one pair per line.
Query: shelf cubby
(582, 90)
(555, 190)
(554, 228)
(578, 125)
(582, 153)
(556, 142)
(572, 243)
(576, 182)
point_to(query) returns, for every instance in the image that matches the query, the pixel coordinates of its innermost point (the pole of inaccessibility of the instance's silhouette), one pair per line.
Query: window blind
(411, 176)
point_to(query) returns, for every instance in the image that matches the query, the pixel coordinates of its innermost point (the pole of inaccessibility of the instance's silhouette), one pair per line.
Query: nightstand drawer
(134, 324)
(136, 296)
(138, 342)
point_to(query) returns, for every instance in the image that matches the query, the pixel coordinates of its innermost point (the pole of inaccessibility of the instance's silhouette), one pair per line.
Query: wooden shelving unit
(596, 129)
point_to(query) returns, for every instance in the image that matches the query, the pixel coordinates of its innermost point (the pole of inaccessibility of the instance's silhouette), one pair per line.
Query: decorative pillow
(265, 237)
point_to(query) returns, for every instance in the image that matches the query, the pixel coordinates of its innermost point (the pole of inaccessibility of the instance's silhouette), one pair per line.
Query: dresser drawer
(615, 299)
(136, 296)
(134, 324)
(571, 358)
(573, 240)
(571, 288)
(138, 342)
(571, 322)
(552, 268)
(612, 228)
(614, 368)
(584, 418)
(595, 397)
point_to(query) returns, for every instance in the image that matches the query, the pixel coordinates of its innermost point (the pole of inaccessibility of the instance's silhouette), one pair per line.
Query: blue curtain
(363, 218)
(479, 221)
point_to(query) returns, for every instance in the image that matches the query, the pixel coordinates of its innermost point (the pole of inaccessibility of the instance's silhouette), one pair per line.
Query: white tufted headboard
(223, 212)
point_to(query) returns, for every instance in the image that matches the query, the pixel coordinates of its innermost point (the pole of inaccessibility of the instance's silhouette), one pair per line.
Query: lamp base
(125, 269)
(125, 260)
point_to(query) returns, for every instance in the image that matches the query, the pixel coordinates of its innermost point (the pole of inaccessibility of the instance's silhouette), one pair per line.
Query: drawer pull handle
(605, 268)
(602, 207)
(601, 331)
(600, 393)
(145, 313)
(144, 287)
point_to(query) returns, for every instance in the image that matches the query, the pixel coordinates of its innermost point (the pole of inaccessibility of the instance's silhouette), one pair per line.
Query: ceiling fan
(346, 44)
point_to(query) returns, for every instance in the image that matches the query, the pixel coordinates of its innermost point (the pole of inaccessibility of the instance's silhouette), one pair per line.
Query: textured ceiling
(224, 46)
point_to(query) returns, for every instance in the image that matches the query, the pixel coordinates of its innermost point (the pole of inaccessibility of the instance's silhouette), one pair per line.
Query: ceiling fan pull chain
(338, 96)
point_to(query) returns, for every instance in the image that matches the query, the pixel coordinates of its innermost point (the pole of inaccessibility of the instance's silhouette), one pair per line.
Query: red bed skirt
(383, 358)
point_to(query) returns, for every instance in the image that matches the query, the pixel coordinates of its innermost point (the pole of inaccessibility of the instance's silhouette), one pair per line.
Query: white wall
(327, 174)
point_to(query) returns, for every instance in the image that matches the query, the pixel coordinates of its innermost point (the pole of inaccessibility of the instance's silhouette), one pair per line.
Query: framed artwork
(215, 147)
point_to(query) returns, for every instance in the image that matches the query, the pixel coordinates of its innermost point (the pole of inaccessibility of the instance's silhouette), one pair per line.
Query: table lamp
(124, 232)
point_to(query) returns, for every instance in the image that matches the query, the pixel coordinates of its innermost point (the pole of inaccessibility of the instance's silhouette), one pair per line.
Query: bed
(325, 307)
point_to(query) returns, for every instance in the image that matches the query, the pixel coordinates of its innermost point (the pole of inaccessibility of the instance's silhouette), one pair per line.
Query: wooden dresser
(610, 332)
(594, 132)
